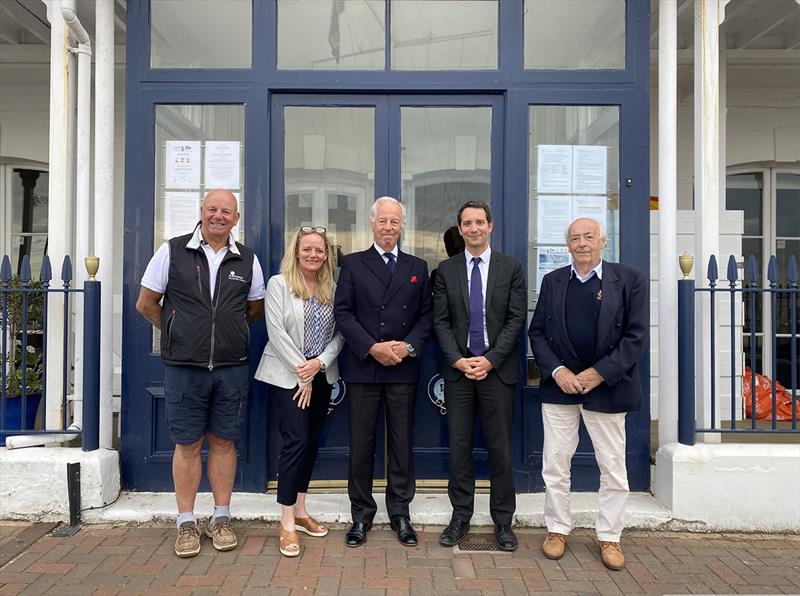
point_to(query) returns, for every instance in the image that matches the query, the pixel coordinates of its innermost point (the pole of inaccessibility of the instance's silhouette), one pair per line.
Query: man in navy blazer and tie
(479, 310)
(383, 310)
(587, 333)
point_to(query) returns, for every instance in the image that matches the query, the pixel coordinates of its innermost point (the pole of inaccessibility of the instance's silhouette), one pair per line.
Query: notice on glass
(549, 259)
(222, 164)
(554, 169)
(182, 164)
(554, 214)
(589, 169)
(594, 207)
(181, 213)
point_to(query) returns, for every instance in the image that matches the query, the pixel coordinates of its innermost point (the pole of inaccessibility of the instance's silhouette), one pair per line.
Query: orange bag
(783, 399)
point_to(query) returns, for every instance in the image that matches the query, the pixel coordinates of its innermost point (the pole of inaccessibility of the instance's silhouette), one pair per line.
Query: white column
(104, 203)
(667, 222)
(708, 15)
(58, 208)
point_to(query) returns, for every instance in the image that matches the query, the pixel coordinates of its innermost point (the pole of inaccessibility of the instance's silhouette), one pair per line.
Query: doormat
(477, 543)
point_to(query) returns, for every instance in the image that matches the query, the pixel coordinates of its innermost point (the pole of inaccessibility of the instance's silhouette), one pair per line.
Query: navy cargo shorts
(199, 400)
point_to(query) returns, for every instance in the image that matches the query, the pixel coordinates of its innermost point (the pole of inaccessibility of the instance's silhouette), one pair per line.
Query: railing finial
(92, 264)
(5, 270)
(66, 270)
(46, 272)
(733, 270)
(713, 271)
(791, 271)
(751, 273)
(686, 262)
(772, 271)
(25, 270)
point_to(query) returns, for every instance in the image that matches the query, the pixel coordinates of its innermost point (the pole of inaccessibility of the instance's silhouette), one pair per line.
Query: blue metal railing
(783, 312)
(24, 305)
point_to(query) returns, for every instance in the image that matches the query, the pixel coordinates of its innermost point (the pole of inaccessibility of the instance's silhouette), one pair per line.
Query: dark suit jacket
(371, 305)
(506, 310)
(622, 335)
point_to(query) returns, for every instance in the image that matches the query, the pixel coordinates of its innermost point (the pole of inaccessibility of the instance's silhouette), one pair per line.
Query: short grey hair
(600, 228)
(373, 210)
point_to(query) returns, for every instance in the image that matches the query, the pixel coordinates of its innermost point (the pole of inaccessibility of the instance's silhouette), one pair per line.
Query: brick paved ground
(139, 560)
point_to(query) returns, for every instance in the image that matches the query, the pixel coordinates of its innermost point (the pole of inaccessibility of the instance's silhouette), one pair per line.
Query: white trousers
(607, 431)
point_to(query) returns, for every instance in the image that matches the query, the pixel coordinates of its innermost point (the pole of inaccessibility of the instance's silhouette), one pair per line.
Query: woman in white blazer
(299, 363)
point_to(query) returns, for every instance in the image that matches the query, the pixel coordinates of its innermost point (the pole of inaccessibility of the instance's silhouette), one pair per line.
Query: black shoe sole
(508, 549)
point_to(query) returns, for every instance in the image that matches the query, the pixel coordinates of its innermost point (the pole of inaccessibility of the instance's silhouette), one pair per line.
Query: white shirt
(483, 267)
(382, 252)
(156, 275)
(598, 271)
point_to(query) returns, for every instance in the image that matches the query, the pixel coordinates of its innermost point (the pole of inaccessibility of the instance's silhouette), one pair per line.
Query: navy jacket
(371, 305)
(622, 335)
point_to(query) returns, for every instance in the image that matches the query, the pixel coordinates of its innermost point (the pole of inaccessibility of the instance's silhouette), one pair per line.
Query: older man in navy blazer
(383, 310)
(587, 333)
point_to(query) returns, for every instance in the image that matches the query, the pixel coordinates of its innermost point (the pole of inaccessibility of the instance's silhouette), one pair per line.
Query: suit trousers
(300, 430)
(364, 401)
(494, 401)
(607, 431)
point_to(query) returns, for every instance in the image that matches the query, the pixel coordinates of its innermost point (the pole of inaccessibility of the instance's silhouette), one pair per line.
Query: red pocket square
(413, 279)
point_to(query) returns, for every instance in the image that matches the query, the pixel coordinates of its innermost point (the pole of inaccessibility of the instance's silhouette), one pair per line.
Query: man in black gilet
(587, 333)
(212, 288)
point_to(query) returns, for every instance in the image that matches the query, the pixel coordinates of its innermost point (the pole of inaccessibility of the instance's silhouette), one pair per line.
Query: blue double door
(331, 156)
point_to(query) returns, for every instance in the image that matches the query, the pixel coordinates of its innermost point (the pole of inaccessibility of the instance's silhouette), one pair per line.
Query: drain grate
(473, 543)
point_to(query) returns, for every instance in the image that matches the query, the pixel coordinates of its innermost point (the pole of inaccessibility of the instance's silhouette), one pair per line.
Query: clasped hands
(389, 353)
(306, 373)
(475, 368)
(578, 384)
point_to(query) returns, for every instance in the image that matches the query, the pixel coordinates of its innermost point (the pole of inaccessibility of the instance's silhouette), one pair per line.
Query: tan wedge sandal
(289, 538)
(308, 525)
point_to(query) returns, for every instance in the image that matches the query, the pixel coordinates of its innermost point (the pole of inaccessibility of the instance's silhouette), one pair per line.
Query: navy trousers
(300, 430)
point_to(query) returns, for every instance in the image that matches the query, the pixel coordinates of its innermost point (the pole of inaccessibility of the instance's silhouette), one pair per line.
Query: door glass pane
(198, 148)
(201, 34)
(444, 34)
(28, 218)
(787, 206)
(573, 169)
(744, 192)
(575, 34)
(329, 172)
(331, 34)
(445, 161)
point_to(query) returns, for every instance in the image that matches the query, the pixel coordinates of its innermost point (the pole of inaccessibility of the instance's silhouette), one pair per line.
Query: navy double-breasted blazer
(622, 335)
(372, 305)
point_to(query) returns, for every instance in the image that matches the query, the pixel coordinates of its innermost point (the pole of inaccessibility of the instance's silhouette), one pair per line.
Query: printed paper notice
(554, 169)
(222, 164)
(594, 207)
(181, 213)
(182, 164)
(589, 169)
(553, 216)
(550, 258)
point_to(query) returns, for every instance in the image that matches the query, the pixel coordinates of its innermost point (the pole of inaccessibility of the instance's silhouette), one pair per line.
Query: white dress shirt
(483, 267)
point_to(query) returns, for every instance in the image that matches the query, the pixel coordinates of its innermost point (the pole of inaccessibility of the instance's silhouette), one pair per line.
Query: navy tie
(476, 345)
(389, 261)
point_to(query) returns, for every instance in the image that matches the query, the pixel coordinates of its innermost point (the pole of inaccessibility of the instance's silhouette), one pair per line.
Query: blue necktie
(476, 345)
(389, 261)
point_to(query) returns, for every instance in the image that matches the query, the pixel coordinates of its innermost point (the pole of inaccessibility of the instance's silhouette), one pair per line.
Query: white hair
(600, 228)
(373, 210)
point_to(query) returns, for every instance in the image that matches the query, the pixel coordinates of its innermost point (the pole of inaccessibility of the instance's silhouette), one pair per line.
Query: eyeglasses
(310, 229)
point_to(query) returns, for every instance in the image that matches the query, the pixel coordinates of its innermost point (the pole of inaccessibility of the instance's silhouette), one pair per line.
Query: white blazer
(286, 330)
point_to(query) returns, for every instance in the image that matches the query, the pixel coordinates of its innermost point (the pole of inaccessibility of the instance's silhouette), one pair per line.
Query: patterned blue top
(318, 327)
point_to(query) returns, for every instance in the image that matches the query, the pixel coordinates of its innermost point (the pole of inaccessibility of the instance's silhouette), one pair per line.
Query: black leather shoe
(454, 532)
(357, 534)
(506, 540)
(405, 533)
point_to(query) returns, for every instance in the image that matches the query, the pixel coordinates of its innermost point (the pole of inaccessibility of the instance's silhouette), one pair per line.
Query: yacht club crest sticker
(338, 390)
(436, 393)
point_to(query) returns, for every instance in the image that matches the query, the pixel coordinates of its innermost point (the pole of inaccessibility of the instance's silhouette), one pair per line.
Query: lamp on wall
(314, 152)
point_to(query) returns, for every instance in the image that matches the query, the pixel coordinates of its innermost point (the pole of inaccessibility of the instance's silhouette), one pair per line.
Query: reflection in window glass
(200, 34)
(27, 217)
(182, 178)
(445, 161)
(575, 34)
(331, 34)
(444, 34)
(329, 172)
(573, 157)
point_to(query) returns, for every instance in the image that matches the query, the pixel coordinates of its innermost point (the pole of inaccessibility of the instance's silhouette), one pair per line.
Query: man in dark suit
(479, 311)
(589, 329)
(383, 309)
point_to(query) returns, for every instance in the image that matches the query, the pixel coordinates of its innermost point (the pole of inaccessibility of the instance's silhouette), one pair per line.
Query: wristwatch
(322, 366)
(411, 351)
